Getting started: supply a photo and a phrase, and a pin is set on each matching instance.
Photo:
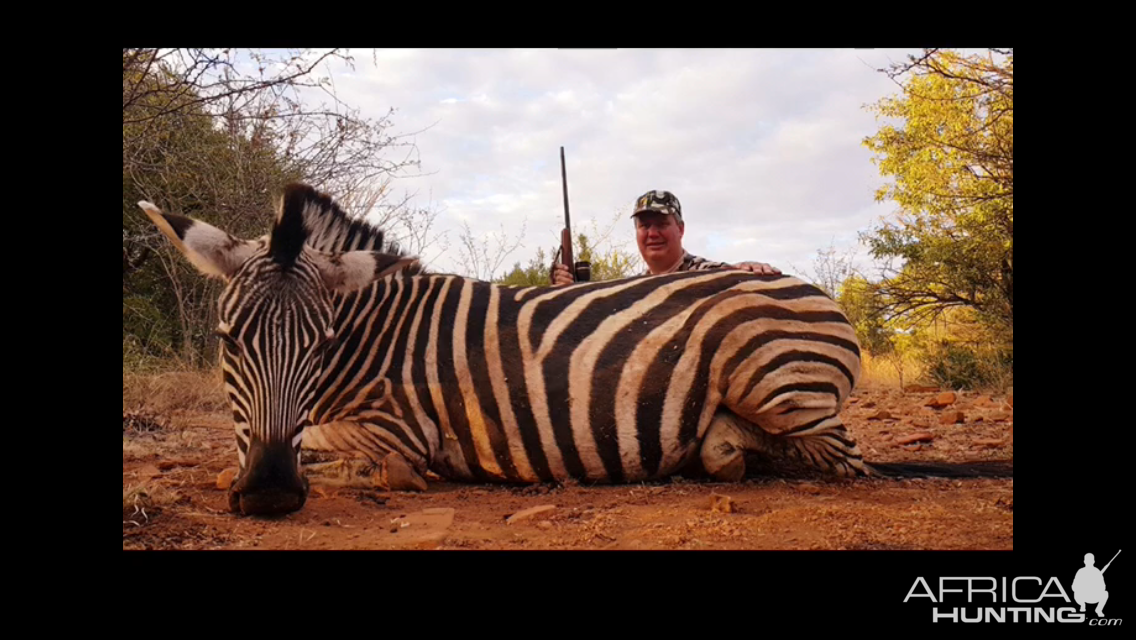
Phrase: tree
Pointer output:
(859, 300)
(215, 134)
(952, 159)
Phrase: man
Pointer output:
(659, 229)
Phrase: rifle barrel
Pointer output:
(564, 182)
(1110, 562)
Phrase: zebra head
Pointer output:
(276, 324)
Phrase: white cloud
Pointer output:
(763, 147)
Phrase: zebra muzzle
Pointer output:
(271, 483)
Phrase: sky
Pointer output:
(763, 147)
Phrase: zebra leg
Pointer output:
(376, 455)
(824, 445)
(800, 425)
(723, 449)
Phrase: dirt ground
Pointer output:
(171, 499)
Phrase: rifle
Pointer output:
(582, 271)
(566, 233)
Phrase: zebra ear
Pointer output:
(214, 252)
(353, 270)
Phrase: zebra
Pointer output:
(334, 340)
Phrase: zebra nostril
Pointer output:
(234, 500)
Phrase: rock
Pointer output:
(882, 414)
(721, 504)
(942, 400)
(989, 442)
(225, 478)
(528, 513)
(999, 416)
(915, 437)
(916, 388)
(544, 524)
(809, 488)
(868, 405)
(426, 529)
(953, 417)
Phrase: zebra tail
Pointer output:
(954, 470)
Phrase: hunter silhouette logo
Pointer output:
(1089, 585)
(1015, 600)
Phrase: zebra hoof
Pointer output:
(396, 474)
(724, 463)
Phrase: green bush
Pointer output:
(958, 366)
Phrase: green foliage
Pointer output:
(536, 274)
(608, 263)
(961, 366)
(857, 297)
(952, 161)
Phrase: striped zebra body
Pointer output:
(603, 382)
(331, 334)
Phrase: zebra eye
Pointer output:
(227, 339)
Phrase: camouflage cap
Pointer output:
(661, 201)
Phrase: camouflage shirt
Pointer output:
(693, 263)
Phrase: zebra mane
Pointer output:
(316, 219)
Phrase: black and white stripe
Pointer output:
(604, 382)
(325, 324)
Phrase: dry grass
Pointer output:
(172, 392)
(884, 372)
(142, 501)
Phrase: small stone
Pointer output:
(942, 400)
(920, 389)
(528, 513)
(989, 442)
(721, 504)
(915, 437)
(225, 479)
(882, 414)
(544, 524)
(166, 465)
(953, 417)
(809, 488)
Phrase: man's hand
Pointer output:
(561, 275)
(759, 268)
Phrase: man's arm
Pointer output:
(759, 268)
(695, 263)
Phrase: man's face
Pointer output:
(659, 236)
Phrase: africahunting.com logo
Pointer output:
(1022, 599)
